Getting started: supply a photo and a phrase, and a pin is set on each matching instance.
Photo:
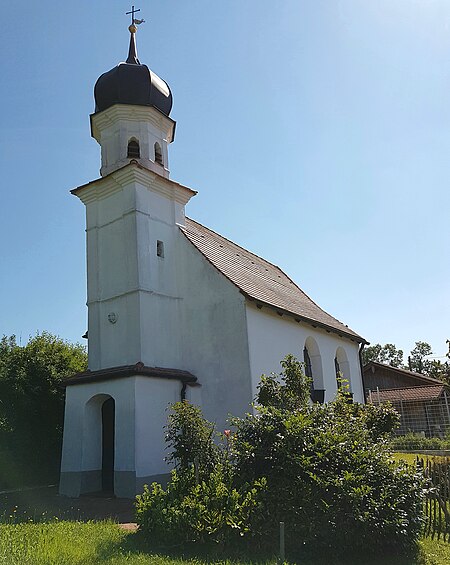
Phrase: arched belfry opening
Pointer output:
(108, 435)
(133, 151)
(158, 154)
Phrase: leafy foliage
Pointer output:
(330, 477)
(211, 511)
(289, 390)
(418, 362)
(416, 359)
(324, 470)
(386, 354)
(191, 439)
(412, 441)
(32, 401)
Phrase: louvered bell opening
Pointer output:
(134, 151)
(158, 154)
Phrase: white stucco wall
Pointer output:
(82, 426)
(271, 337)
(152, 398)
(214, 336)
(128, 279)
(141, 405)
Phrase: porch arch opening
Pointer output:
(99, 443)
(108, 434)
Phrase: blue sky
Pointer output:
(317, 133)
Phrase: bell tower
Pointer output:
(131, 119)
(133, 214)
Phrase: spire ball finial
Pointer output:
(132, 28)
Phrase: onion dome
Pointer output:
(132, 83)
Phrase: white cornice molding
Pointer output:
(101, 120)
(133, 173)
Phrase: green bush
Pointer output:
(412, 441)
(324, 470)
(335, 488)
(212, 511)
(191, 439)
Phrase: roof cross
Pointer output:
(133, 11)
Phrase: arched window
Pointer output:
(308, 369)
(339, 375)
(313, 369)
(342, 368)
(158, 154)
(133, 151)
(308, 366)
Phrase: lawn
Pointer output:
(412, 457)
(77, 543)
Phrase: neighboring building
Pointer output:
(376, 375)
(422, 402)
(174, 310)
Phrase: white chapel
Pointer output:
(175, 310)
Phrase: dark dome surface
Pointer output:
(132, 83)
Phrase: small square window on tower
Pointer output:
(160, 249)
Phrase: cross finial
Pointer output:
(133, 11)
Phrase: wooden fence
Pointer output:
(437, 502)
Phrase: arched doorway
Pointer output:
(108, 432)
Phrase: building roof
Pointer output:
(137, 370)
(417, 379)
(132, 83)
(260, 280)
(412, 394)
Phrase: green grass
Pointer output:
(434, 552)
(411, 457)
(69, 543)
(77, 543)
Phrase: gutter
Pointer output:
(360, 354)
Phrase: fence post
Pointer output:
(448, 409)
(282, 542)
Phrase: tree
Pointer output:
(387, 354)
(32, 400)
(419, 363)
(416, 359)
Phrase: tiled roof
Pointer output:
(260, 280)
(413, 394)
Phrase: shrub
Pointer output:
(412, 441)
(212, 511)
(324, 470)
(335, 488)
(190, 438)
